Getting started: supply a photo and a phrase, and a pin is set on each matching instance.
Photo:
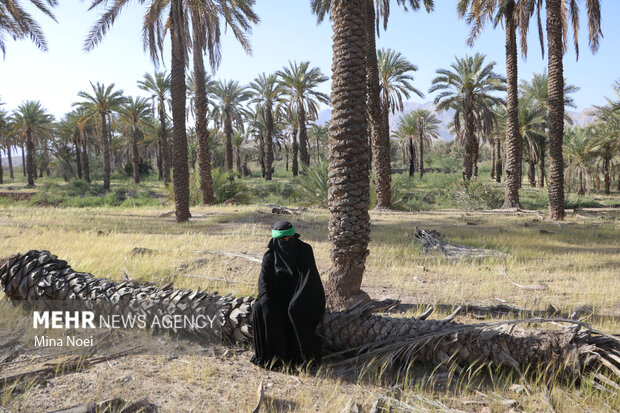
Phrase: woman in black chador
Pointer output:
(290, 303)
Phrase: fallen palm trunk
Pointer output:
(357, 332)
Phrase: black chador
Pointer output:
(290, 303)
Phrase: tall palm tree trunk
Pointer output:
(474, 157)
(40, 276)
(606, 176)
(531, 174)
(105, 147)
(78, 153)
(1, 168)
(470, 125)
(164, 151)
(513, 137)
(380, 140)
(10, 159)
(85, 164)
(582, 189)
(303, 134)
(30, 166)
(200, 110)
(261, 155)
(228, 145)
(493, 158)
(541, 178)
(295, 149)
(555, 116)
(159, 160)
(421, 151)
(349, 181)
(178, 93)
(318, 150)
(269, 143)
(238, 160)
(412, 156)
(135, 156)
(23, 159)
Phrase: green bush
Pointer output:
(311, 185)
(226, 189)
(474, 195)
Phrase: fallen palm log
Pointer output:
(357, 333)
(431, 242)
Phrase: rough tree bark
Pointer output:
(178, 94)
(39, 276)
(513, 137)
(30, 158)
(379, 138)
(349, 180)
(269, 144)
(200, 109)
(555, 115)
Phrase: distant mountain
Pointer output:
(582, 118)
(444, 116)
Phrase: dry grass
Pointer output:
(578, 260)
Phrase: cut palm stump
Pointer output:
(357, 334)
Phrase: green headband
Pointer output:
(284, 233)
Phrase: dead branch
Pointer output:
(431, 242)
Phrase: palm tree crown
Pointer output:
(17, 23)
(32, 122)
(395, 79)
(229, 110)
(299, 82)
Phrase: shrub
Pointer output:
(312, 184)
(474, 195)
(227, 189)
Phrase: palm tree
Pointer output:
(467, 88)
(427, 128)
(99, 105)
(536, 91)
(238, 16)
(293, 132)
(557, 28)
(514, 14)
(578, 154)
(199, 94)
(32, 122)
(159, 86)
(532, 125)
(406, 134)
(267, 94)
(237, 140)
(135, 115)
(320, 133)
(4, 141)
(395, 78)
(379, 133)
(69, 128)
(230, 95)
(17, 23)
(605, 144)
(349, 181)
(299, 82)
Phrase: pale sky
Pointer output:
(287, 31)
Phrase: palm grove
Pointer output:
(276, 114)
